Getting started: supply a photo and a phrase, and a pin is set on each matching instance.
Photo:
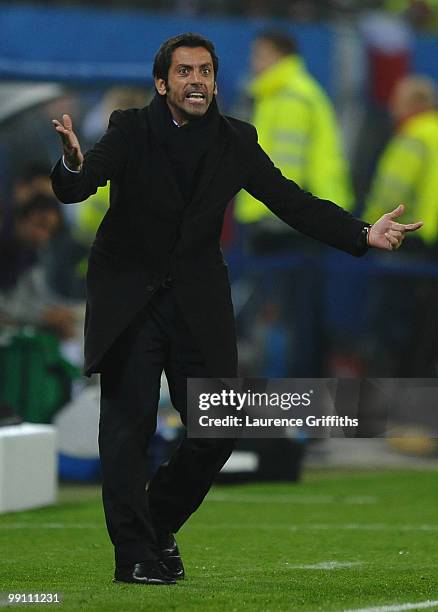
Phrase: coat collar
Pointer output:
(161, 169)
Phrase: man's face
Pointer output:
(401, 101)
(411, 96)
(264, 54)
(190, 84)
(37, 228)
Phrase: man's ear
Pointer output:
(160, 85)
(215, 89)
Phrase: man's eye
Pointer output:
(183, 71)
(206, 71)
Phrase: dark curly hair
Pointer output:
(163, 58)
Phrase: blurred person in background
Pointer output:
(296, 124)
(33, 179)
(158, 293)
(297, 127)
(63, 253)
(25, 298)
(407, 172)
(123, 97)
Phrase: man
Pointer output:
(158, 289)
(297, 128)
(63, 251)
(296, 125)
(24, 295)
(407, 172)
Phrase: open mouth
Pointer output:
(195, 96)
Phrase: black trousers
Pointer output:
(135, 511)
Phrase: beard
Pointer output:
(184, 110)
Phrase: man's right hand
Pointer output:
(72, 149)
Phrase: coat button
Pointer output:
(150, 287)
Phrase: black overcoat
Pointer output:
(149, 231)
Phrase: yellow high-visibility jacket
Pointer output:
(88, 219)
(90, 216)
(297, 128)
(407, 174)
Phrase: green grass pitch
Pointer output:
(339, 540)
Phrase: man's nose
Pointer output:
(197, 77)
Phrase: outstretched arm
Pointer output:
(320, 219)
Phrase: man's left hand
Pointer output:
(387, 234)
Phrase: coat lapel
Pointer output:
(161, 170)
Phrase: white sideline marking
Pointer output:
(327, 565)
(291, 499)
(421, 605)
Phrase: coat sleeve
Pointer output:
(103, 162)
(315, 217)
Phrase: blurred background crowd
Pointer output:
(419, 12)
(344, 96)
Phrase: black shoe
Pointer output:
(170, 556)
(146, 572)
